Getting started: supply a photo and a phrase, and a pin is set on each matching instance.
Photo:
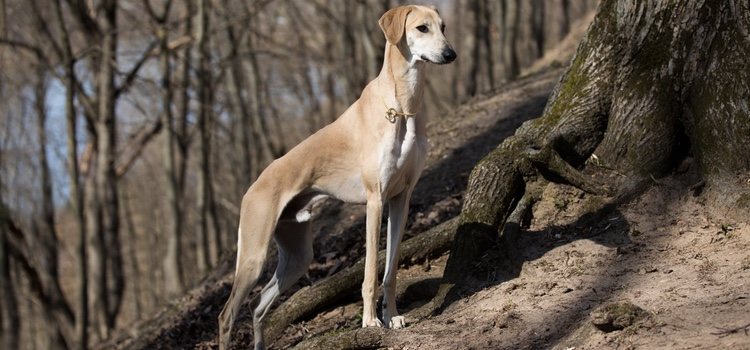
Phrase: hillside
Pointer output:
(679, 259)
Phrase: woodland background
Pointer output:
(129, 130)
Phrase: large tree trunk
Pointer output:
(652, 83)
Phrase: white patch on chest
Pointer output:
(401, 156)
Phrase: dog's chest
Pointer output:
(403, 152)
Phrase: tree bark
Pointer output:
(649, 83)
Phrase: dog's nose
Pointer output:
(449, 55)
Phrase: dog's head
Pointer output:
(423, 31)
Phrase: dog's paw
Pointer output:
(397, 322)
(373, 322)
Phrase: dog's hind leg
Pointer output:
(258, 216)
(294, 242)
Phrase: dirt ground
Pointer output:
(667, 252)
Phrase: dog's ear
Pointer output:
(393, 23)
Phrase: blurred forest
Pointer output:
(130, 130)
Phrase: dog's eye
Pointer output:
(422, 28)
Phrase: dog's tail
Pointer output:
(261, 208)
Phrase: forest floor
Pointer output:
(683, 262)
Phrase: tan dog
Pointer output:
(374, 153)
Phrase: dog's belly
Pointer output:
(346, 187)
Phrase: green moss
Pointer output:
(572, 85)
(575, 85)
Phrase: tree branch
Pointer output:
(136, 146)
(133, 73)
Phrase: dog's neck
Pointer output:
(404, 73)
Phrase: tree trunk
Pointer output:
(538, 8)
(172, 266)
(76, 196)
(9, 315)
(106, 177)
(652, 83)
(208, 217)
(264, 146)
(472, 85)
(182, 109)
(235, 87)
(512, 13)
(131, 240)
(46, 236)
(458, 81)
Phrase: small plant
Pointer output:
(706, 271)
(561, 203)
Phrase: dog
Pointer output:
(372, 154)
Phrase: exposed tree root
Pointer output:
(311, 299)
(360, 338)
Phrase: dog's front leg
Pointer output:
(370, 284)
(398, 208)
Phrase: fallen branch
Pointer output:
(312, 299)
(360, 338)
(723, 332)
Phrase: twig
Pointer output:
(723, 332)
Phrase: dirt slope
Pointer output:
(684, 263)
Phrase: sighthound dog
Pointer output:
(373, 153)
